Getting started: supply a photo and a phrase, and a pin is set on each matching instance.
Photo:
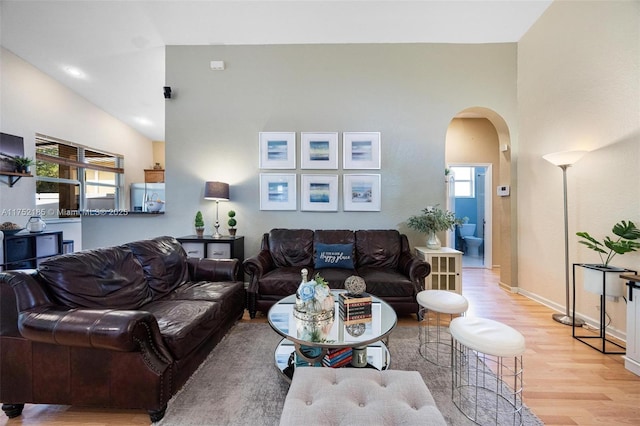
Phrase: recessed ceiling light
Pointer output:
(75, 72)
(144, 121)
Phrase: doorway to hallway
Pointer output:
(470, 198)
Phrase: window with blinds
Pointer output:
(71, 178)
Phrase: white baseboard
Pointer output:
(632, 365)
(593, 323)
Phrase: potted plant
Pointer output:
(199, 224)
(232, 223)
(22, 164)
(598, 274)
(433, 219)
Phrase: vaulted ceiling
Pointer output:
(112, 52)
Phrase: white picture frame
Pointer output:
(361, 192)
(277, 150)
(278, 191)
(319, 150)
(361, 150)
(319, 193)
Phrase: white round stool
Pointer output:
(435, 342)
(487, 370)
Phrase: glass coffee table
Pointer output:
(298, 348)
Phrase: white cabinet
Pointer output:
(632, 357)
(446, 268)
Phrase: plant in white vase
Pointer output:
(627, 233)
(433, 219)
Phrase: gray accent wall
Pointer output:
(408, 92)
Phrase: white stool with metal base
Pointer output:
(435, 342)
(487, 370)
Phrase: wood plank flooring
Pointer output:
(565, 381)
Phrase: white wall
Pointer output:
(32, 102)
(578, 88)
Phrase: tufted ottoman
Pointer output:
(357, 396)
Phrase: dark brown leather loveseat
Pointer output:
(382, 258)
(119, 327)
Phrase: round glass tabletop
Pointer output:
(334, 334)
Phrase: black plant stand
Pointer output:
(602, 339)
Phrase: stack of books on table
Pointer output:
(355, 309)
(337, 357)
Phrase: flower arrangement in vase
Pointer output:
(314, 309)
(313, 298)
(433, 219)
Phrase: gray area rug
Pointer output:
(239, 383)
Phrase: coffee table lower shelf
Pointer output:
(378, 357)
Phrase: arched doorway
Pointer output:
(480, 136)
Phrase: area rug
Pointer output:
(239, 383)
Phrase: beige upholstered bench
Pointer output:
(359, 396)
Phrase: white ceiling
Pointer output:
(119, 45)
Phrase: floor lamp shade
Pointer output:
(564, 158)
(218, 191)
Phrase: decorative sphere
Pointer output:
(355, 285)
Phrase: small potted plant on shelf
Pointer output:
(595, 275)
(232, 223)
(433, 219)
(199, 224)
(23, 164)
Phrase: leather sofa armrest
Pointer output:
(213, 269)
(256, 266)
(414, 268)
(118, 330)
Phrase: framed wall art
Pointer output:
(361, 150)
(319, 150)
(361, 193)
(277, 150)
(278, 191)
(319, 193)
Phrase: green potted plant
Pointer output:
(433, 219)
(627, 233)
(232, 223)
(199, 224)
(22, 164)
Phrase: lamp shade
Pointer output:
(564, 158)
(218, 191)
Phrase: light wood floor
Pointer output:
(565, 381)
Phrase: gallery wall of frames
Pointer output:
(319, 188)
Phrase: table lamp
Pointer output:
(217, 191)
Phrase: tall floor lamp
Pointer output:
(217, 191)
(564, 160)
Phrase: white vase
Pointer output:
(596, 276)
(433, 242)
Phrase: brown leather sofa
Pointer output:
(382, 258)
(118, 327)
